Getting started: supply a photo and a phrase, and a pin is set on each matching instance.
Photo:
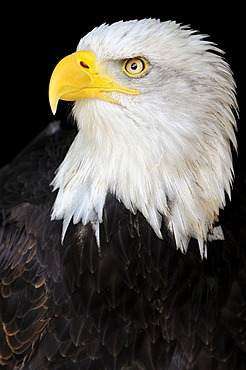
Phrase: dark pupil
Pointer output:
(134, 66)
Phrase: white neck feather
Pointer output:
(161, 166)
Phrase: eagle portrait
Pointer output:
(122, 234)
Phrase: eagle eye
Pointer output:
(135, 66)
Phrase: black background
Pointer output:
(38, 36)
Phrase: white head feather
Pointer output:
(165, 152)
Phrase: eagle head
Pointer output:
(155, 107)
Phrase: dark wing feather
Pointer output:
(30, 268)
(138, 304)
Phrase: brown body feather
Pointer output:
(141, 304)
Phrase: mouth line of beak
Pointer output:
(71, 80)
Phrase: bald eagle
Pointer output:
(122, 239)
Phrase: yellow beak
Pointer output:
(79, 76)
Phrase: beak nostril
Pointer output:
(84, 65)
